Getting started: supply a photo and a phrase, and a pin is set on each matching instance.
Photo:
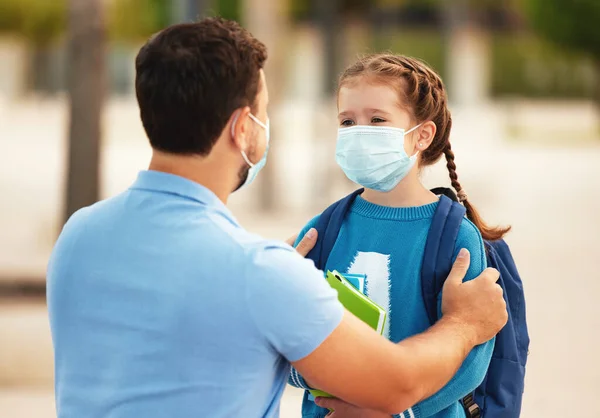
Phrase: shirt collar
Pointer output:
(158, 181)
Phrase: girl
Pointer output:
(393, 121)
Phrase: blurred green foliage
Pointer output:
(135, 20)
(569, 23)
(43, 21)
(573, 25)
(229, 9)
(427, 45)
(521, 64)
(524, 65)
(39, 21)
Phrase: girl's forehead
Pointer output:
(365, 94)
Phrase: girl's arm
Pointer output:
(473, 370)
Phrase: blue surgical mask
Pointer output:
(254, 167)
(374, 156)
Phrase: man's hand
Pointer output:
(306, 244)
(477, 305)
(343, 409)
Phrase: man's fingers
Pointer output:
(460, 267)
(491, 274)
(307, 243)
(291, 240)
(329, 403)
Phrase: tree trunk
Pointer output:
(597, 88)
(329, 12)
(267, 21)
(86, 86)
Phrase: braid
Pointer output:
(487, 232)
(451, 166)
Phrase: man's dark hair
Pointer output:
(191, 77)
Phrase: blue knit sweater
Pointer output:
(387, 244)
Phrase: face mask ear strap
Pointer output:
(413, 128)
(265, 126)
(409, 131)
(235, 119)
(245, 157)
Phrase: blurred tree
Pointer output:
(86, 85)
(9, 16)
(44, 21)
(267, 20)
(39, 21)
(572, 24)
(136, 20)
(229, 9)
(190, 10)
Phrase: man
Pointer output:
(162, 305)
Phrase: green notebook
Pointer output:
(358, 304)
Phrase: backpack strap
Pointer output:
(328, 227)
(437, 263)
(472, 410)
(449, 193)
(439, 252)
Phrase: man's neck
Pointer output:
(205, 171)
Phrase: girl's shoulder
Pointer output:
(469, 231)
(470, 238)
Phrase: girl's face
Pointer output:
(366, 103)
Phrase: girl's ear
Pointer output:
(425, 134)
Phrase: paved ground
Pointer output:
(549, 195)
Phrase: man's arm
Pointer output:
(362, 368)
(303, 247)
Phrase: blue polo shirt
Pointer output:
(162, 305)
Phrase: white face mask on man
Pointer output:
(254, 167)
(374, 156)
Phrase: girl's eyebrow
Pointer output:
(374, 110)
(370, 110)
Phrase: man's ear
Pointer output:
(425, 135)
(240, 127)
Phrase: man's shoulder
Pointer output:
(102, 207)
(77, 234)
(254, 245)
(82, 217)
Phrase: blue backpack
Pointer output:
(501, 393)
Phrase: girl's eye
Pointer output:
(377, 120)
(347, 122)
